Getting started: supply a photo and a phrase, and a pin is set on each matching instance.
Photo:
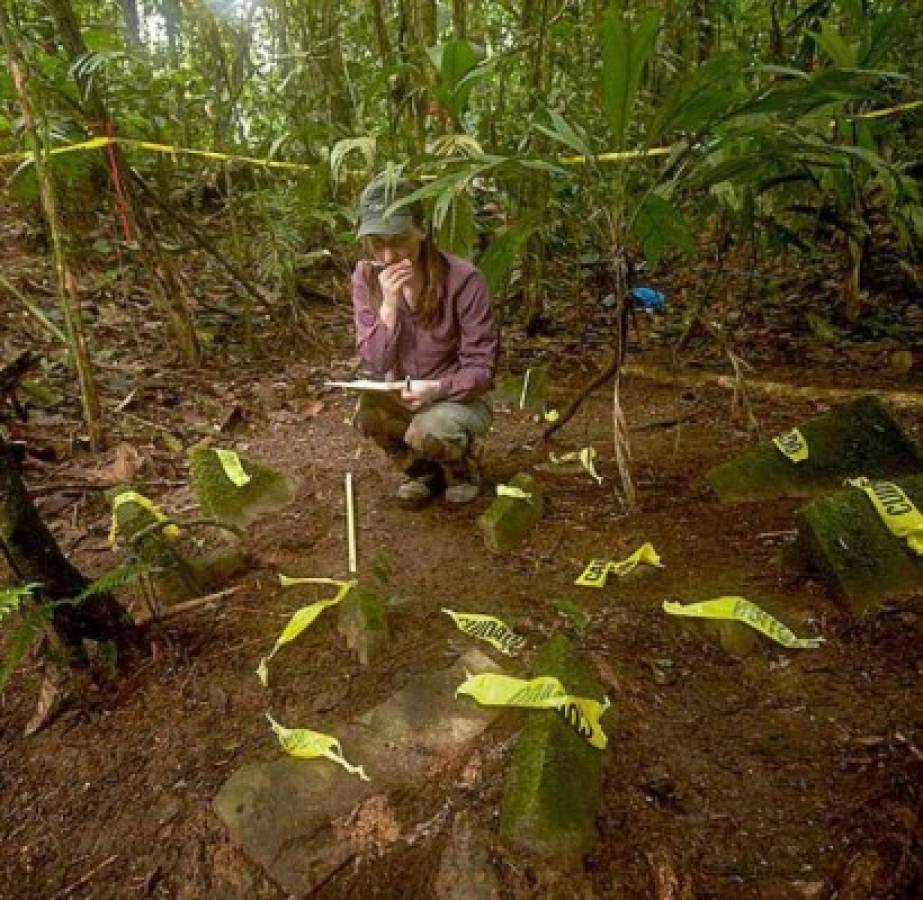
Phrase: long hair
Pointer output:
(435, 273)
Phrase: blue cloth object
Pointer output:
(648, 297)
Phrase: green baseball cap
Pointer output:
(376, 198)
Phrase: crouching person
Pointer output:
(423, 314)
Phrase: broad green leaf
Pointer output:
(566, 134)
(658, 225)
(887, 28)
(830, 41)
(457, 234)
(501, 256)
(700, 97)
(454, 59)
(624, 53)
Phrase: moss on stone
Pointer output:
(553, 790)
(176, 578)
(221, 499)
(507, 521)
(363, 621)
(843, 538)
(859, 438)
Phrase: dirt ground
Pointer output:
(783, 774)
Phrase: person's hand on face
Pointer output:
(395, 279)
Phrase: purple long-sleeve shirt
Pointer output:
(460, 350)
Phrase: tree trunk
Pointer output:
(459, 19)
(34, 556)
(132, 25)
(377, 9)
(425, 32)
(535, 195)
(339, 100)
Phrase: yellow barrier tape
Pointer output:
(616, 156)
(896, 510)
(597, 571)
(97, 143)
(509, 490)
(586, 457)
(792, 445)
(302, 618)
(170, 531)
(581, 713)
(487, 628)
(233, 467)
(306, 744)
(742, 610)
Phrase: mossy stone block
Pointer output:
(553, 790)
(363, 621)
(860, 438)
(220, 498)
(843, 538)
(219, 566)
(507, 521)
(175, 579)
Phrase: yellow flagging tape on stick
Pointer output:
(896, 510)
(598, 570)
(302, 618)
(586, 457)
(742, 610)
(487, 628)
(233, 467)
(792, 445)
(306, 744)
(170, 531)
(581, 713)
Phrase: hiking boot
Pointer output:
(420, 483)
(464, 481)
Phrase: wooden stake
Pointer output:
(351, 546)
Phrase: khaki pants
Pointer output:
(443, 432)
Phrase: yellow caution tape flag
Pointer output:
(586, 457)
(581, 713)
(302, 618)
(509, 490)
(792, 445)
(306, 744)
(742, 610)
(597, 571)
(487, 628)
(233, 467)
(170, 531)
(896, 510)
